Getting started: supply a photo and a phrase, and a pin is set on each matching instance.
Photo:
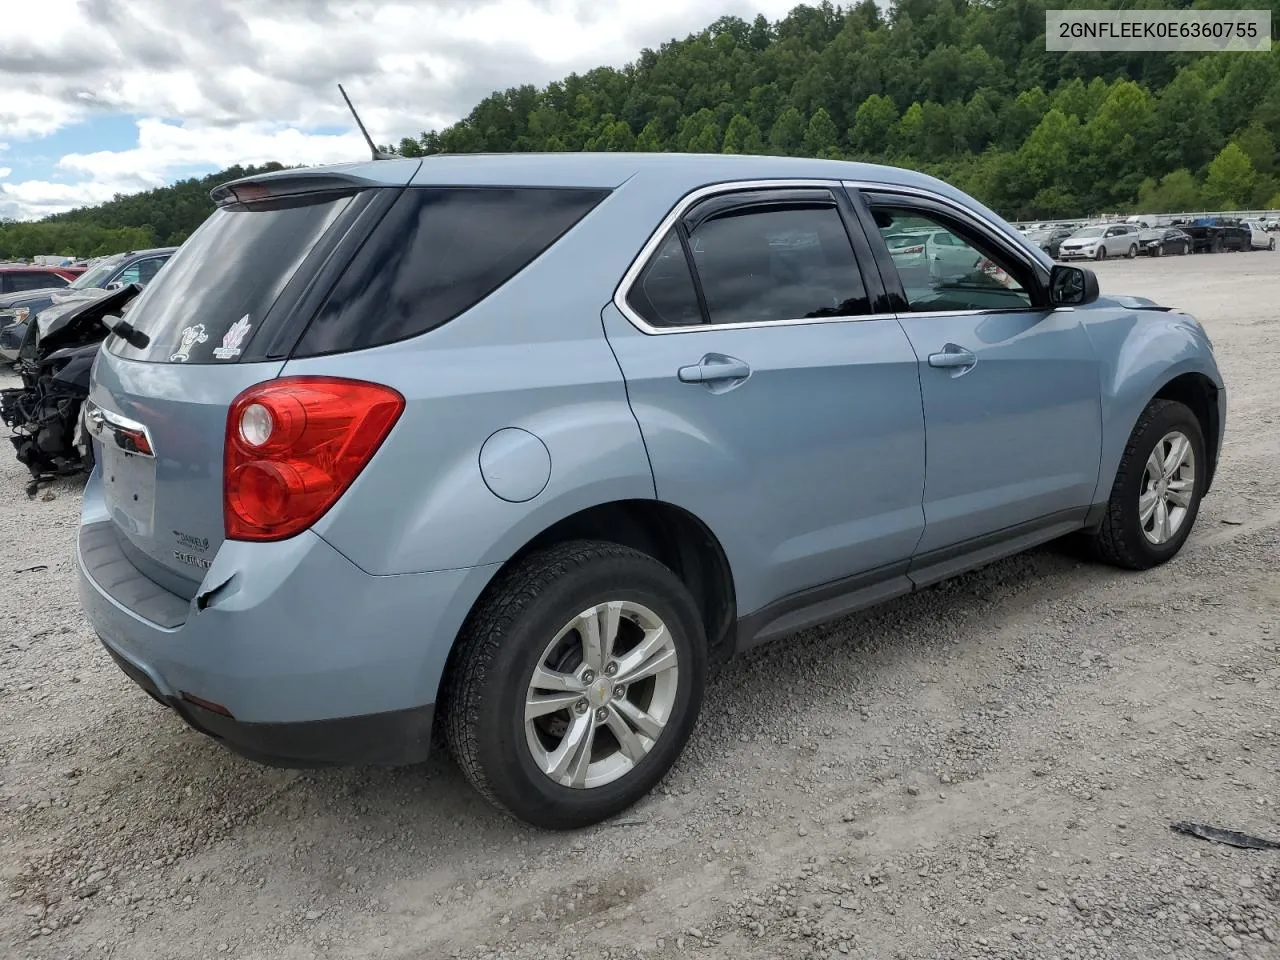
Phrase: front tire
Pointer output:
(1133, 251)
(1272, 244)
(1101, 254)
(576, 683)
(1155, 497)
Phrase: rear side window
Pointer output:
(438, 252)
(664, 294)
(215, 291)
(18, 282)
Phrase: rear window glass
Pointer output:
(213, 294)
(438, 252)
(20, 282)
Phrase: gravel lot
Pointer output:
(988, 769)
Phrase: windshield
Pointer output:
(1090, 232)
(215, 291)
(96, 275)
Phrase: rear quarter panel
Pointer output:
(1139, 352)
(532, 356)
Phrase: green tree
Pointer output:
(1258, 146)
(872, 124)
(1229, 183)
(707, 140)
(1176, 192)
(978, 125)
(787, 135)
(907, 135)
(650, 139)
(821, 136)
(742, 136)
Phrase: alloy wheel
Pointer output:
(1168, 483)
(601, 694)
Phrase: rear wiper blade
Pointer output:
(126, 331)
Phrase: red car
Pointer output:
(20, 277)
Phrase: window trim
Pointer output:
(923, 200)
(676, 216)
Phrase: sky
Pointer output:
(99, 97)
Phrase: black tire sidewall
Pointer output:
(1172, 417)
(503, 751)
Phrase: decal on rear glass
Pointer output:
(233, 338)
(190, 337)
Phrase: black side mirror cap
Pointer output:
(1072, 286)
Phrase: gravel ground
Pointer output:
(987, 769)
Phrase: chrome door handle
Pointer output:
(714, 368)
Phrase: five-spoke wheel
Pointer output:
(576, 683)
(1156, 493)
(601, 694)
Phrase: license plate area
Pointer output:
(129, 485)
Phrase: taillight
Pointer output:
(293, 447)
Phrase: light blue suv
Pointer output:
(512, 447)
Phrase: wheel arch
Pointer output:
(1199, 393)
(669, 534)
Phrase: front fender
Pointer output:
(1141, 352)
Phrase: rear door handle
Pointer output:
(953, 357)
(715, 368)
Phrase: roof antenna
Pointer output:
(377, 154)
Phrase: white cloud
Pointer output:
(165, 146)
(239, 81)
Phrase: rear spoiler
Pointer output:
(248, 191)
(299, 182)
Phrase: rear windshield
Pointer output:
(438, 252)
(215, 291)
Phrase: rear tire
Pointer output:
(565, 767)
(1155, 497)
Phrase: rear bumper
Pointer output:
(316, 661)
(394, 738)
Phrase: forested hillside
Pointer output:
(162, 217)
(962, 89)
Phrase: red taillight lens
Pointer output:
(293, 447)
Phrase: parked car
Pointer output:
(109, 273)
(1258, 237)
(1217, 234)
(44, 413)
(21, 278)
(1163, 241)
(1099, 242)
(1050, 240)
(514, 446)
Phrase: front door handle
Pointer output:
(714, 368)
(953, 357)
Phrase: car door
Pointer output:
(1010, 385)
(779, 401)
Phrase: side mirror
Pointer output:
(1072, 286)
(115, 285)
